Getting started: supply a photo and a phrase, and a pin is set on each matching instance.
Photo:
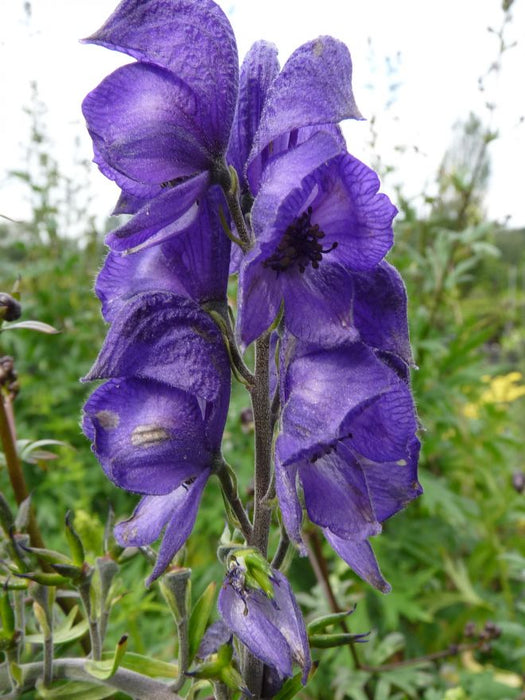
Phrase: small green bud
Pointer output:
(176, 589)
(10, 308)
(7, 614)
(75, 544)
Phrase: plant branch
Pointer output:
(134, 684)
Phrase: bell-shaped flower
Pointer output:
(318, 217)
(269, 623)
(156, 425)
(161, 126)
(349, 441)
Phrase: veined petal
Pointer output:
(148, 437)
(193, 264)
(248, 618)
(318, 305)
(359, 556)
(285, 485)
(260, 298)
(322, 388)
(147, 124)
(191, 38)
(336, 495)
(281, 198)
(169, 339)
(380, 310)
(171, 213)
(314, 87)
(258, 71)
(392, 485)
(177, 510)
(383, 430)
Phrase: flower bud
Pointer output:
(10, 308)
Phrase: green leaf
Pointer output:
(199, 618)
(322, 622)
(294, 685)
(75, 690)
(146, 665)
(67, 632)
(104, 669)
(39, 326)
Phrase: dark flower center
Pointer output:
(300, 245)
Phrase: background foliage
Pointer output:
(455, 558)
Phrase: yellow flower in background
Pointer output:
(503, 388)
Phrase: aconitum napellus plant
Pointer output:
(241, 175)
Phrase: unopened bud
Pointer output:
(176, 589)
(10, 308)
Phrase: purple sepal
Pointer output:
(148, 437)
(176, 511)
(272, 629)
(191, 38)
(313, 88)
(359, 556)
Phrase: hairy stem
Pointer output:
(262, 418)
(134, 684)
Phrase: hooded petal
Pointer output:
(359, 556)
(148, 437)
(314, 87)
(177, 510)
(191, 38)
(147, 124)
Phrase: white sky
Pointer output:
(440, 49)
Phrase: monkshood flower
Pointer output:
(267, 621)
(161, 126)
(156, 425)
(318, 217)
(349, 439)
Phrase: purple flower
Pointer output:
(156, 425)
(161, 126)
(318, 217)
(349, 439)
(271, 627)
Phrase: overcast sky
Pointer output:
(434, 51)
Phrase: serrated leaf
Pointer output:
(199, 618)
(39, 326)
(104, 669)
